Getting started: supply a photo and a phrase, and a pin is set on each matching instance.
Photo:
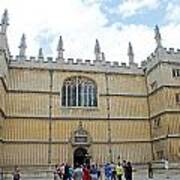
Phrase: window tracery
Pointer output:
(79, 91)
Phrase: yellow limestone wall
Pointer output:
(26, 129)
(163, 107)
(29, 79)
(128, 106)
(25, 154)
(163, 99)
(173, 143)
(128, 84)
(174, 149)
(169, 124)
(27, 104)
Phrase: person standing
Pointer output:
(70, 172)
(113, 167)
(77, 174)
(66, 172)
(98, 171)
(166, 166)
(1, 174)
(124, 164)
(119, 171)
(56, 173)
(128, 171)
(107, 171)
(150, 170)
(16, 174)
(62, 170)
(86, 173)
(94, 172)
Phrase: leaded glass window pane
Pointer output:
(64, 95)
(79, 91)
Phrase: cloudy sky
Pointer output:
(80, 22)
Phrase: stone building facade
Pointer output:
(66, 110)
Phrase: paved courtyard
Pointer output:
(140, 174)
(158, 175)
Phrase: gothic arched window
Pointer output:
(79, 91)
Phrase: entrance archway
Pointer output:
(80, 156)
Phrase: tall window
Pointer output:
(79, 91)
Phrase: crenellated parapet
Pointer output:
(163, 55)
(71, 64)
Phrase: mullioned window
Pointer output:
(79, 92)
(176, 72)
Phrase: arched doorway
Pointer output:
(80, 156)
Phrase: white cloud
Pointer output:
(80, 25)
(131, 7)
(173, 13)
(71, 19)
(170, 35)
(91, 2)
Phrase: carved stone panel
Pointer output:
(80, 137)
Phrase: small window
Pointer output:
(176, 72)
(178, 98)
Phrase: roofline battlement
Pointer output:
(173, 51)
(74, 64)
(165, 55)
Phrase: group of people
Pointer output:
(79, 172)
(94, 172)
(113, 171)
(110, 171)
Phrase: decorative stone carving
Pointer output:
(80, 137)
(40, 54)
(60, 49)
(4, 21)
(157, 37)
(130, 54)
(103, 56)
(97, 50)
(22, 47)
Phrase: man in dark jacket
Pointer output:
(16, 174)
(128, 171)
(150, 170)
